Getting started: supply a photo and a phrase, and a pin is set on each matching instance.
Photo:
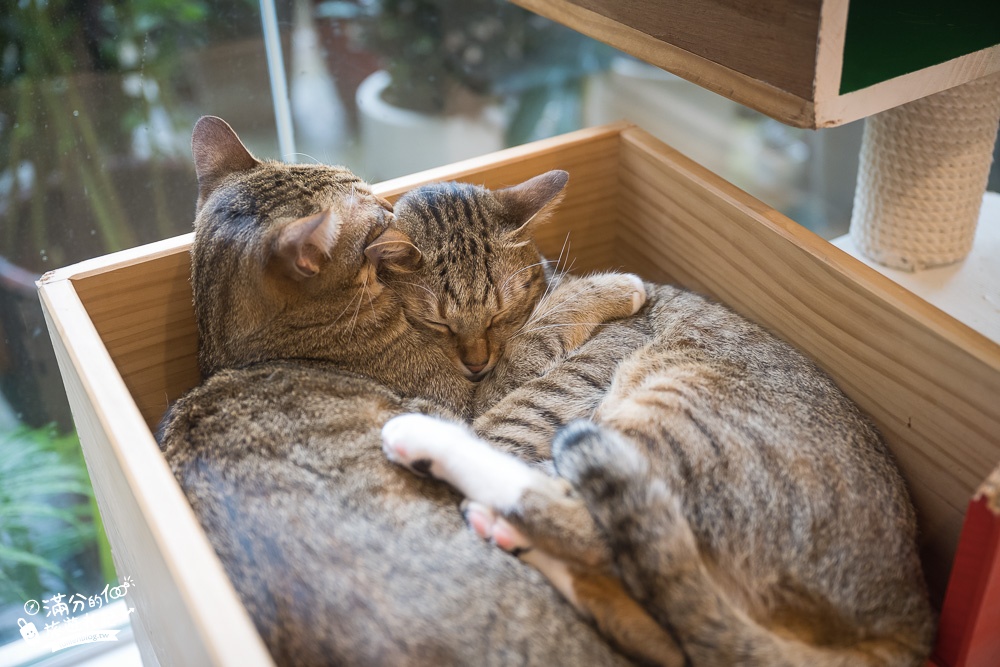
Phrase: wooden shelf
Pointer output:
(808, 63)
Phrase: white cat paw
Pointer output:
(420, 443)
(638, 292)
(451, 453)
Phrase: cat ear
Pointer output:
(531, 201)
(217, 152)
(393, 250)
(302, 245)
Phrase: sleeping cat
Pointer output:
(305, 353)
(723, 481)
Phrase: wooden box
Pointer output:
(124, 333)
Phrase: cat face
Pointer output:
(480, 274)
(280, 250)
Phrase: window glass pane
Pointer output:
(97, 99)
(394, 86)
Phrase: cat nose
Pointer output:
(474, 367)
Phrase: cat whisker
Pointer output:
(557, 278)
(371, 302)
(549, 309)
(337, 319)
(506, 282)
(361, 297)
(315, 161)
(433, 297)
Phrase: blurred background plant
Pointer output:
(435, 48)
(51, 540)
(86, 86)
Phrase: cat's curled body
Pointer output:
(338, 558)
(723, 482)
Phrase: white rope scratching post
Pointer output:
(922, 176)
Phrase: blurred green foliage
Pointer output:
(48, 517)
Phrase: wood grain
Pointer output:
(773, 42)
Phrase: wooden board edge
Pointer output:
(763, 97)
(870, 280)
(122, 258)
(389, 188)
(202, 583)
(457, 170)
(830, 48)
(834, 109)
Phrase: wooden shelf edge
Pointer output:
(457, 170)
(774, 102)
(841, 109)
(122, 258)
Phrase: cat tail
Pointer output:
(659, 561)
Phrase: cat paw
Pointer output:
(595, 460)
(488, 525)
(447, 451)
(419, 442)
(638, 291)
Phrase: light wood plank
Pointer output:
(145, 317)
(181, 590)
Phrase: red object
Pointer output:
(969, 628)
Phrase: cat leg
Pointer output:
(578, 305)
(525, 421)
(660, 564)
(564, 319)
(597, 596)
(452, 453)
(536, 518)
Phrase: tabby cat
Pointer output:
(305, 354)
(723, 482)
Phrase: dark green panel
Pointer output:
(887, 38)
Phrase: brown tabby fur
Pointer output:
(724, 483)
(305, 354)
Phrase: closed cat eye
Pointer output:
(443, 327)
